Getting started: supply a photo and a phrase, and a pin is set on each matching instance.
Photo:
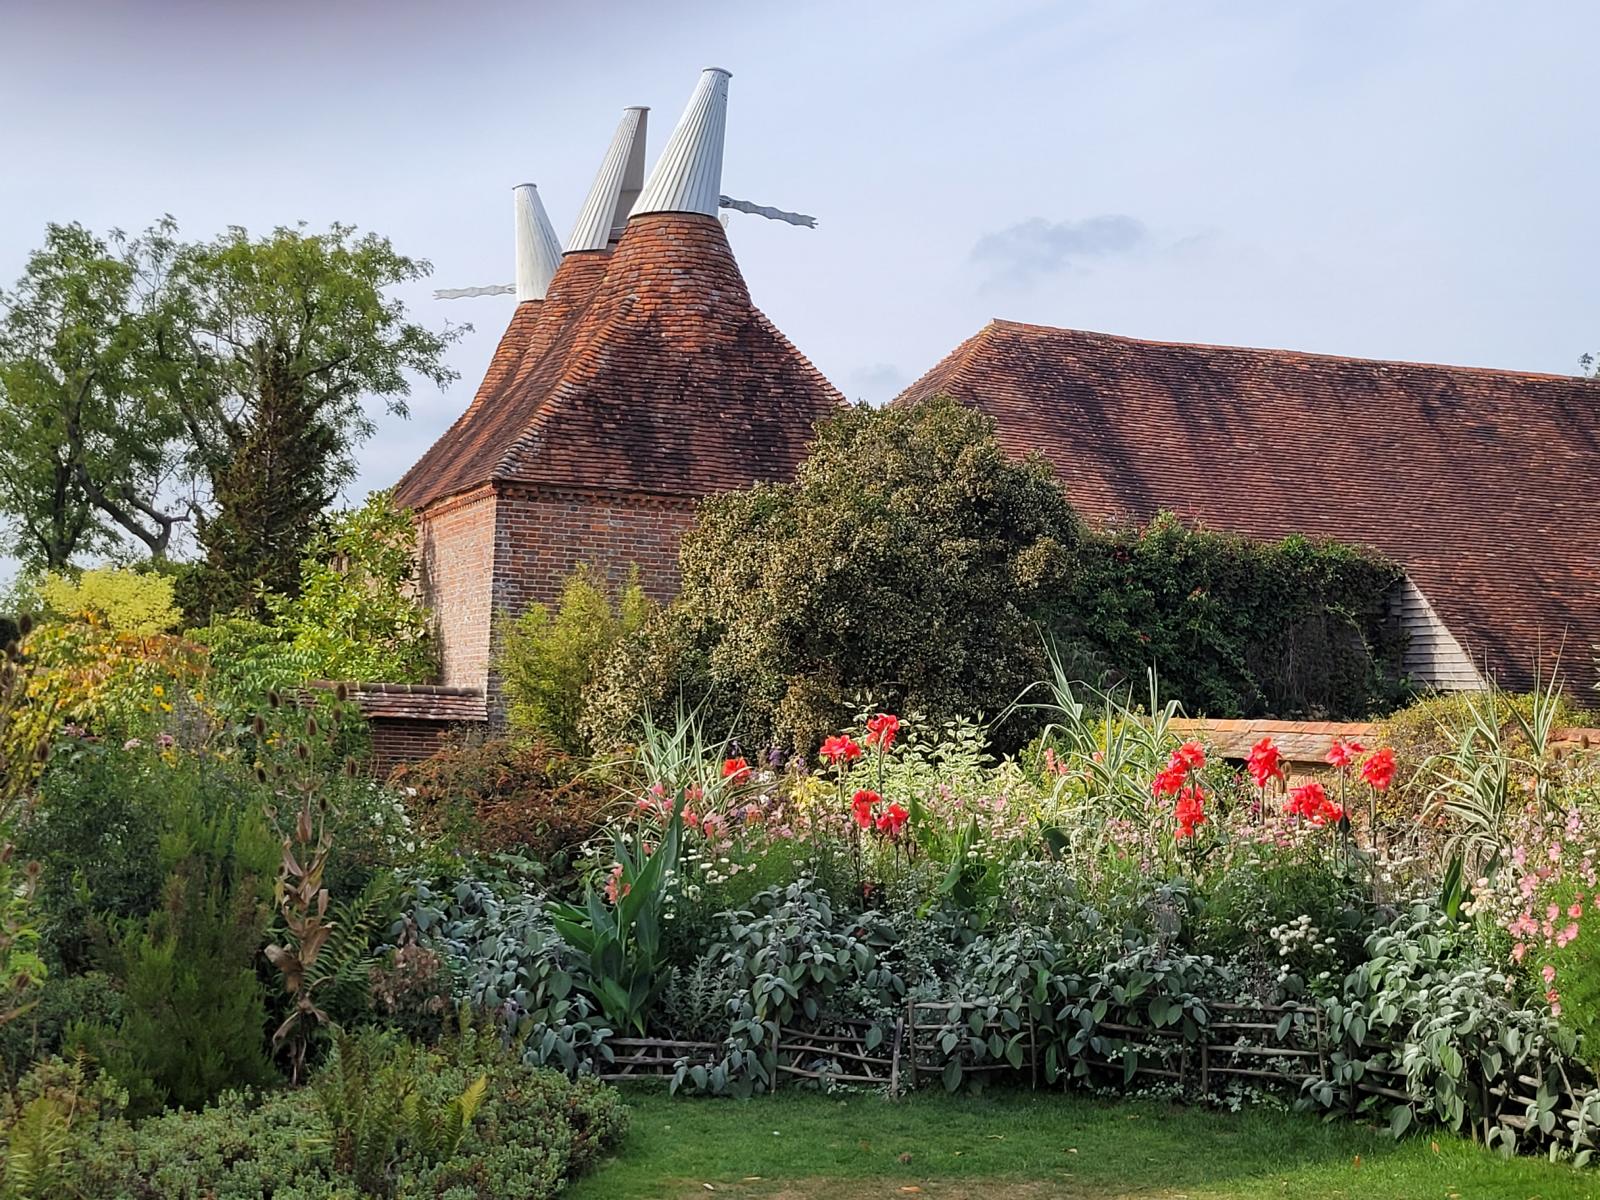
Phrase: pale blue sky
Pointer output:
(1389, 179)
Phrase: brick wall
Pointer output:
(541, 537)
(456, 540)
(397, 740)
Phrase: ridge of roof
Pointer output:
(1279, 352)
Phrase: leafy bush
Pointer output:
(549, 658)
(503, 956)
(356, 615)
(385, 1120)
(504, 796)
(908, 554)
(124, 601)
(1235, 627)
(59, 1001)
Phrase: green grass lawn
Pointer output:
(1031, 1145)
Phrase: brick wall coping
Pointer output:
(1308, 741)
(415, 701)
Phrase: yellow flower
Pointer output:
(158, 691)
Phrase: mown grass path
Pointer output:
(1033, 1145)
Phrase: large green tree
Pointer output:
(269, 348)
(84, 437)
(148, 382)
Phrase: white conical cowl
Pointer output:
(688, 176)
(538, 248)
(616, 186)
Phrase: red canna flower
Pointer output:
(1344, 754)
(840, 749)
(1378, 771)
(736, 769)
(1190, 811)
(1191, 756)
(1310, 800)
(1169, 782)
(861, 806)
(1265, 763)
(882, 730)
(892, 821)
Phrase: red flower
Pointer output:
(1378, 771)
(1265, 763)
(736, 769)
(1343, 754)
(1191, 756)
(881, 730)
(893, 820)
(861, 806)
(1311, 801)
(1169, 782)
(840, 749)
(1190, 811)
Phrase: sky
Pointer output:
(1406, 180)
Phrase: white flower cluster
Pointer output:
(1300, 938)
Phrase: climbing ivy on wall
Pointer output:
(1234, 627)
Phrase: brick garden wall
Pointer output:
(456, 541)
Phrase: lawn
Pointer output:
(1030, 1145)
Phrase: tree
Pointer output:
(906, 559)
(357, 615)
(268, 347)
(148, 382)
(83, 438)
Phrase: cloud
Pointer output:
(1025, 252)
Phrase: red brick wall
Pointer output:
(397, 740)
(542, 536)
(456, 539)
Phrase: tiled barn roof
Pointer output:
(1484, 484)
(646, 370)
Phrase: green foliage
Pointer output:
(385, 1120)
(272, 344)
(356, 615)
(193, 1014)
(136, 602)
(504, 957)
(908, 555)
(549, 658)
(624, 967)
(1234, 627)
(60, 1001)
(504, 796)
(83, 441)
